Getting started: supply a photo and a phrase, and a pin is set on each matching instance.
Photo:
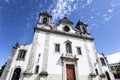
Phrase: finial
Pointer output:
(17, 44)
(103, 54)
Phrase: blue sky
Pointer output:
(19, 17)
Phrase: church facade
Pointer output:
(57, 52)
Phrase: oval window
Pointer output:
(66, 28)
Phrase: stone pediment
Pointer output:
(65, 20)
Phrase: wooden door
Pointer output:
(70, 72)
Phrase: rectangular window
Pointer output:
(21, 55)
(102, 61)
(57, 47)
(79, 50)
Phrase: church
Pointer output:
(57, 52)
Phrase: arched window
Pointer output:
(84, 30)
(96, 71)
(68, 48)
(36, 69)
(44, 20)
(108, 76)
(16, 74)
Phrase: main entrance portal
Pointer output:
(70, 72)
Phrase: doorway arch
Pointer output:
(108, 76)
(16, 74)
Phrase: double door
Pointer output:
(70, 72)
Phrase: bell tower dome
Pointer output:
(44, 18)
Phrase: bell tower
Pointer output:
(44, 18)
(82, 27)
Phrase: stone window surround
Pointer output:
(70, 47)
(36, 69)
(12, 71)
(80, 50)
(19, 54)
(103, 62)
(55, 47)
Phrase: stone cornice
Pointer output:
(63, 33)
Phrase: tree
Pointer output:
(118, 71)
(118, 68)
(2, 68)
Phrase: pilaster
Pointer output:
(31, 61)
(9, 63)
(44, 73)
(88, 58)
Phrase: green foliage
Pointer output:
(118, 68)
(2, 68)
(1, 72)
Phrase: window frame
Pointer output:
(79, 51)
(68, 47)
(57, 47)
(96, 70)
(45, 20)
(103, 61)
(16, 74)
(37, 69)
(21, 54)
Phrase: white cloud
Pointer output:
(26, 37)
(114, 58)
(27, 28)
(108, 18)
(62, 8)
(89, 2)
(91, 17)
(109, 10)
(104, 15)
(7, 1)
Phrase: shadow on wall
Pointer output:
(59, 62)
